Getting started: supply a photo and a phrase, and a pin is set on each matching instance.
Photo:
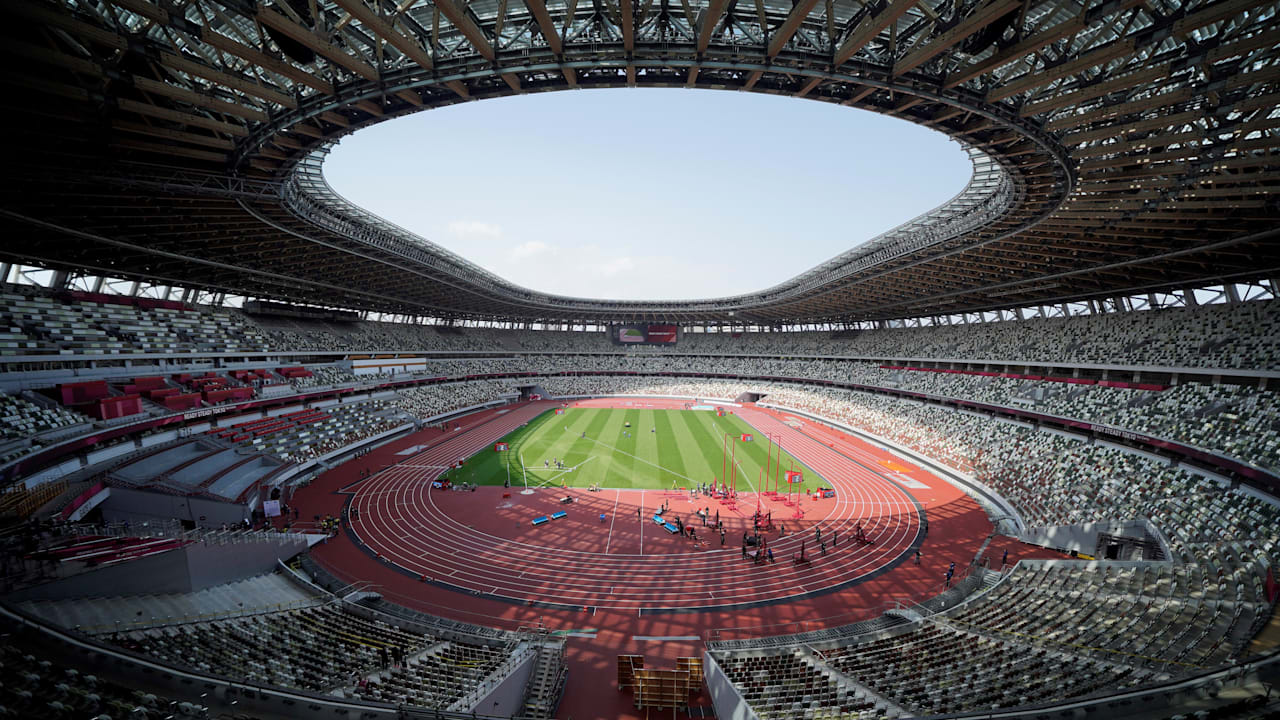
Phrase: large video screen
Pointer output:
(664, 334)
(645, 334)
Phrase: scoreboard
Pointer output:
(644, 334)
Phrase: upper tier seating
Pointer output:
(431, 400)
(86, 327)
(21, 418)
(1236, 335)
(1240, 335)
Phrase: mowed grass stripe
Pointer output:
(664, 439)
(646, 465)
(685, 449)
(625, 442)
(749, 455)
(693, 443)
(614, 472)
(523, 444)
(737, 462)
(646, 444)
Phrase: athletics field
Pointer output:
(660, 449)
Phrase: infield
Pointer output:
(640, 448)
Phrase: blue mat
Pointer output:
(539, 520)
(557, 516)
(657, 520)
(671, 528)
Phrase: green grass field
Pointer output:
(664, 447)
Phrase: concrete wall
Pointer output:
(725, 697)
(162, 573)
(1083, 538)
(141, 506)
(209, 565)
(507, 697)
(188, 569)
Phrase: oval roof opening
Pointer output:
(647, 193)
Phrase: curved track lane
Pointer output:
(481, 543)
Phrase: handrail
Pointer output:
(173, 620)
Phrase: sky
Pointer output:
(658, 194)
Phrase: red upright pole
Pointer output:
(733, 465)
(724, 457)
(788, 491)
(777, 473)
(768, 458)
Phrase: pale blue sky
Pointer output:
(647, 193)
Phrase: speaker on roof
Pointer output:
(990, 34)
(294, 49)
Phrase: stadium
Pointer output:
(268, 455)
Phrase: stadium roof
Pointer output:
(1119, 146)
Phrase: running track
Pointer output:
(482, 544)
(957, 527)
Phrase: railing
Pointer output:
(172, 620)
(416, 609)
(869, 619)
(172, 529)
(514, 660)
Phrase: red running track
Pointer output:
(957, 528)
(484, 544)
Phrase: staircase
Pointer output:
(546, 683)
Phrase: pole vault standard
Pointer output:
(789, 487)
(525, 470)
(733, 465)
(724, 460)
(768, 460)
(777, 473)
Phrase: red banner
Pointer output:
(794, 476)
(499, 447)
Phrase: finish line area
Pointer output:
(575, 548)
